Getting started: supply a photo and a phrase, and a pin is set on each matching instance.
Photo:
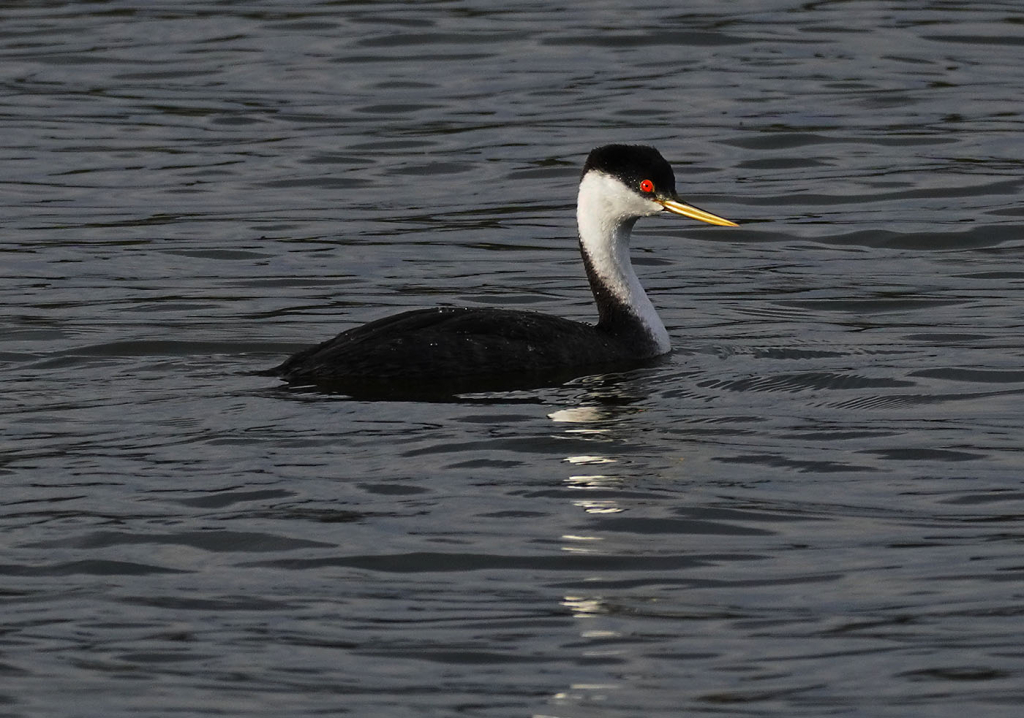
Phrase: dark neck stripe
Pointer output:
(616, 318)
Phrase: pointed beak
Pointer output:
(677, 207)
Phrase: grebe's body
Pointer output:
(620, 184)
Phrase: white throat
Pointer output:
(606, 210)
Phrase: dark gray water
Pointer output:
(816, 507)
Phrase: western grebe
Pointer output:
(445, 345)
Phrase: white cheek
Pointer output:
(644, 207)
(608, 202)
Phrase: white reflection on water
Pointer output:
(589, 459)
(584, 606)
(604, 506)
(580, 543)
(580, 415)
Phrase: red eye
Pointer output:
(646, 186)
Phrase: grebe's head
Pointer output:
(633, 181)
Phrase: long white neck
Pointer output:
(605, 212)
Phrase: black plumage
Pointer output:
(449, 344)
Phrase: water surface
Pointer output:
(813, 508)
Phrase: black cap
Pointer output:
(632, 164)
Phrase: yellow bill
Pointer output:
(693, 213)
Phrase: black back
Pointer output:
(448, 344)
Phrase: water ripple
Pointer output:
(817, 492)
